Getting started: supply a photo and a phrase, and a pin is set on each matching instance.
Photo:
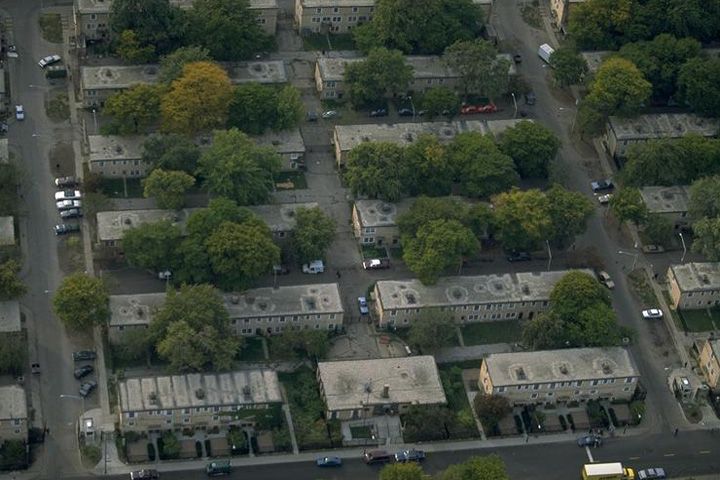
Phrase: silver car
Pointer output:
(49, 60)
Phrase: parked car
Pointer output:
(410, 456)
(280, 269)
(218, 468)
(65, 228)
(530, 98)
(312, 116)
(49, 60)
(35, 368)
(83, 371)
(144, 475)
(651, 474)
(19, 112)
(519, 257)
(652, 313)
(589, 441)
(71, 213)
(330, 114)
(68, 195)
(605, 279)
(87, 388)
(84, 355)
(65, 204)
(328, 462)
(377, 456)
(65, 182)
(468, 109)
(363, 305)
(517, 58)
(652, 249)
(376, 263)
(314, 267)
(380, 112)
(602, 185)
(406, 112)
(604, 199)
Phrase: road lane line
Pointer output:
(634, 458)
(590, 457)
(669, 455)
(704, 452)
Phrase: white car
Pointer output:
(68, 195)
(330, 114)
(652, 313)
(19, 112)
(66, 204)
(651, 474)
(603, 199)
(605, 279)
(49, 60)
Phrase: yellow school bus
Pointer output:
(607, 471)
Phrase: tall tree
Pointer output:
(603, 24)
(402, 471)
(129, 49)
(253, 108)
(699, 85)
(236, 168)
(479, 166)
(171, 152)
(569, 67)
(490, 409)
(156, 23)
(313, 234)
(439, 100)
(228, 29)
(381, 73)
(167, 187)
(198, 100)
(706, 238)
(522, 219)
(173, 64)
(531, 146)
(152, 245)
(628, 205)
(374, 169)
(10, 284)
(133, 110)
(569, 213)
(481, 71)
(490, 467)
(619, 88)
(575, 292)
(290, 108)
(425, 167)
(431, 331)
(81, 302)
(427, 209)
(704, 198)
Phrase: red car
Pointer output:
(469, 109)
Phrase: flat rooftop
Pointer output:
(470, 290)
(280, 217)
(354, 384)
(350, 136)
(117, 76)
(594, 59)
(7, 230)
(10, 316)
(520, 368)
(337, 3)
(270, 71)
(103, 6)
(378, 213)
(134, 309)
(697, 276)
(662, 125)
(244, 387)
(115, 147)
(113, 224)
(285, 142)
(13, 404)
(312, 299)
(666, 199)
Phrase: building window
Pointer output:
(534, 395)
(318, 10)
(550, 394)
(186, 420)
(501, 389)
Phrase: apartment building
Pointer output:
(621, 133)
(91, 18)
(710, 362)
(266, 311)
(4, 151)
(560, 11)
(366, 388)
(668, 202)
(331, 16)
(115, 156)
(428, 72)
(13, 414)
(281, 218)
(467, 299)
(375, 221)
(112, 225)
(694, 285)
(289, 144)
(7, 231)
(133, 311)
(194, 401)
(560, 376)
(10, 321)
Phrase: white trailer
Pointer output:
(545, 51)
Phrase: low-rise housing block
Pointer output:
(668, 202)
(7, 231)
(13, 414)
(10, 321)
(289, 144)
(694, 285)
(375, 221)
(133, 311)
(115, 156)
(710, 362)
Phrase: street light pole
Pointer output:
(634, 255)
(682, 259)
(547, 243)
(514, 103)
(412, 104)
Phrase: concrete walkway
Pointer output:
(288, 419)
(475, 352)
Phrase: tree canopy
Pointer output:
(10, 284)
(431, 331)
(152, 245)
(706, 238)
(373, 169)
(479, 166)
(627, 205)
(481, 71)
(129, 49)
(490, 409)
(477, 217)
(171, 152)
(402, 471)
(156, 24)
(618, 88)
(313, 234)
(699, 85)
(167, 187)
(173, 64)
(438, 100)
(82, 302)
(489, 467)
(704, 198)
(256, 107)
(569, 67)
(569, 212)
(381, 73)
(531, 146)
(133, 110)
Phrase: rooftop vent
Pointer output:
(153, 398)
(310, 303)
(246, 390)
(127, 221)
(410, 298)
(118, 149)
(520, 373)
(262, 305)
(199, 393)
(365, 138)
(150, 70)
(705, 279)
(409, 137)
(456, 293)
(563, 368)
(526, 289)
(498, 286)
(606, 368)
(139, 312)
(258, 67)
(249, 299)
(385, 208)
(367, 388)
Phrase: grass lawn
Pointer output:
(530, 12)
(483, 333)
(57, 108)
(291, 181)
(115, 187)
(252, 351)
(51, 27)
(371, 251)
(361, 431)
(700, 320)
(318, 41)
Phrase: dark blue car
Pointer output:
(328, 462)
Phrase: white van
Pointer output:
(545, 51)
(316, 266)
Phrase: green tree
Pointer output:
(574, 292)
(706, 238)
(81, 302)
(173, 64)
(10, 284)
(431, 331)
(171, 152)
(13, 354)
(659, 230)
(425, 167)
(699, 85)
(155, 22)
(129, 49)
(292, 344)
(133, 110)
(428, 422)
(381, 73)
(227, 28)
(373, 169)
(241, 253)
(619, 88)
(168, 187)
(479, 166)
(569, 213)
(198, 100)
(253, 108)
(545, 331)
(683, 18)
(438, 100)
(569, 67)
(202, 223)
(490, 409)
(602, 24)
(194, 266)
(290, 108)
(522, 219)
(133, 345)
(704, 198)
(481, 71)
(477, 217)
(421, 26)
(236, 168)
(437, 246)
(13, 455)
(402, 471)
(152, 245)
(313, 234)
(627, 205)
(171, 446)
(531, 146)
(489, 467)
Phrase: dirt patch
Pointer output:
(62, 160)
(530, 12)
(70, 254)
(51, 27)
(58, 109)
